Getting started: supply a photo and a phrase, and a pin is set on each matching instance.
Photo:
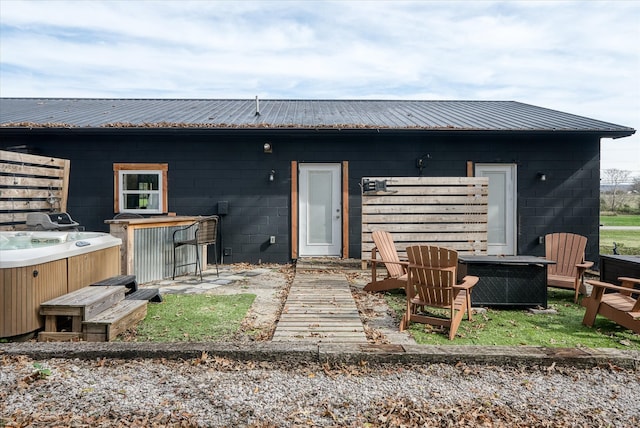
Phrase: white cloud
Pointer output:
(579, 57)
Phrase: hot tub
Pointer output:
(39, 266)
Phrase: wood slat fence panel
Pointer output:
(451, 212)
(31, 183)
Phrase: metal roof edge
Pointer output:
(601, 133)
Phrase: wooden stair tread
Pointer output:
(85, 303)
(149, 294)
(105, 326)
(114, 313)
(84, 296)
(128, 281)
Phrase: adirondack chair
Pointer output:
(396, 268)
(567, 250)
(621, 304)
(435, 287)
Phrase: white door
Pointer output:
(320, 228)
(502, 207)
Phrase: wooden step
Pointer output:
(60, 336)
(78, 306)
(128, 281)
(148, 294)
(108, 324)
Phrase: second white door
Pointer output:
(502, 207)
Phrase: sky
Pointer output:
(578, 57)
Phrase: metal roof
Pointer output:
(295, 114)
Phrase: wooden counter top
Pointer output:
(165, 219)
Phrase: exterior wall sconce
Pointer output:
(267, 148)
(420, 162)
(272, 175)
(542, 176)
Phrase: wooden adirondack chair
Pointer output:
(396, 268)
(621, 304)
(567, 250)
(431, 283)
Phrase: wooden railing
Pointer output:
(31, 183)
(451, 212)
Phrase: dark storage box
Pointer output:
(507, 280)
(613, 266)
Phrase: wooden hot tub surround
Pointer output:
(26, 283)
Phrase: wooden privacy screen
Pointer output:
(449, 212)
(30, 183)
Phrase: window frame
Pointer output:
(121, 169)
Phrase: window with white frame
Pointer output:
(140, 188)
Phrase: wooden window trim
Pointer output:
(345, 209)
(294, 210)
(117, 167)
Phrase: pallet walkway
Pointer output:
(320, 309)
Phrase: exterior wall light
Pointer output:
(267, 148)
(542, 176)
(272, 175)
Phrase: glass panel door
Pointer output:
(320, 231)
(502, 207)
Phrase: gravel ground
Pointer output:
(216, 392)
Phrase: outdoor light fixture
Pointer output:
(272, 175)
(542, 176)
(267, 148)
(420, 162)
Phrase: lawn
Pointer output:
(193, 317)
(517, 327)
(620, 220)
(209, 318)
(628, 241)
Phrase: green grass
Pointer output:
(519, 327)
(620, 220)
(194, 318)
(628, 241)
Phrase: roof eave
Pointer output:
(601, 133)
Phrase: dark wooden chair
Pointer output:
(620, 304)
(567, 250)
(431, 284)
(396, 268)
(199, 234)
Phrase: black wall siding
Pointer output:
(207, 167)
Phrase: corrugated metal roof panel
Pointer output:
(381, 114)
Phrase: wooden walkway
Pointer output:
(320, 308)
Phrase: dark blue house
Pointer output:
(285, 175)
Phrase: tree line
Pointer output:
(620, 196)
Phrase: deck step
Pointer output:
(65, 313)
(108, 324)
(85, 302)
(148, 294)
(60, 336)
(128, 281)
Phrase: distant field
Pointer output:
(620, 220)
(628, 241)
